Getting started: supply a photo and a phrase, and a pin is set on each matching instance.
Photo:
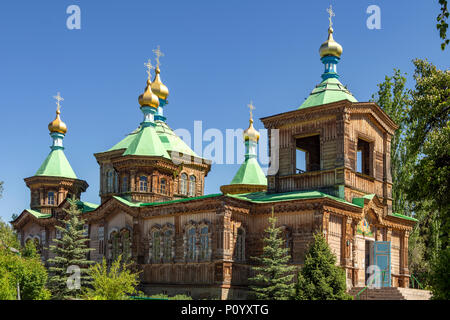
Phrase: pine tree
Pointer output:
(70, 250)
(320, 278)
(274, 278)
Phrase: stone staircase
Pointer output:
(391, 294)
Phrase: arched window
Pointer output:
(191, 244)
(116, 182)
(51, 198)
(162, 186)
(115, 250)
(239, 250)
(126, 245)
(37, 244)
(156, 246)
(109, 181)
(125, 184)
(167, 246)
(204, 243)
(286, 235)
(192, 186)
(143, 183)
(183, 184)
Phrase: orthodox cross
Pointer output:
(331, 13)
(251, 107)
(149, 68)
(58, 100)
(158, 54)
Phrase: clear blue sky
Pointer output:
(218, 56)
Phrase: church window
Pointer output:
(156, 246)
(363, 157)
(239, 251)
(109, 181)
(126, 245)
(183, 184)
(286, 235)
(162, 186)
(167, 246)
(125, 184)
(37, 244)
(308, 153)
(192, 186)
(85, 230)
(191, 244)
(143, 183)
(51, 198)
(101, 246)
(115, 250)
(116, 182)
(204, 243)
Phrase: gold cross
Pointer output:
(58, 100)
(158, 54)
(149, 68)
(331, 13)
(251, 107)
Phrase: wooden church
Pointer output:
(154, 212)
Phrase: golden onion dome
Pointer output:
(330, 47)
(148, 98)
(158, 87)
(251, 133)
(57, 125)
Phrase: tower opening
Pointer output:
(308, 148)
(363, 157)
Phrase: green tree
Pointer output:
(8, 289)
(1, 189)
(28, 273)
(8, 237)
(320, 278)
(274, 277)
(429, 143)
(440, 280)
(393, 98)
(419, 159)
(114, 283)
(70, 250)
(29, 250)
(442, 25)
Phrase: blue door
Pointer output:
(382, 259)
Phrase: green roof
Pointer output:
(254, 197)
(146, 143)
(145, 204)
(56, 165)
(38, 215)
(127, 202)
(171, 141)
(360, 201)
(265, 197)
(250, 173)
(87, 206)
(402, 216)
(329, 90)
(124, 143)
